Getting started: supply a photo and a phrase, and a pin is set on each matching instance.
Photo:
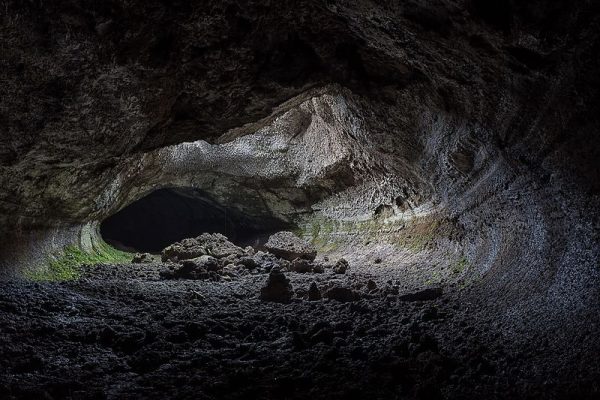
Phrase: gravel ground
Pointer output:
(121, 332)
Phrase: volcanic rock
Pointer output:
(215, 245)
(341, 266)
(314, 294)
(195, 268)
(342, 294)
(422, 295)
(277, 289)
(371, 285)
(289, 247)
(301, 265)
(142, 258)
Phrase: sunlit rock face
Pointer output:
(457, 129)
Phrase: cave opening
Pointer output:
(169, 215)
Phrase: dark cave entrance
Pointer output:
(166, 216)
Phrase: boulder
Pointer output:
(318, 268)
(249, 262)
(289, 246)
(277, 289)
(371, 285)
(214, 244)
(301, 265)
(142, 258)
(341, 266)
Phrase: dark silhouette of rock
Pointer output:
(342, 294)
(301, 265)
(277, 288)
(314, 294)
(142, 258)
(341, 266)
(422, 295)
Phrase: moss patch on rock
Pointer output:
(67, 265)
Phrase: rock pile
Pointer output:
(213, 256)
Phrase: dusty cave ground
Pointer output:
(164, 329)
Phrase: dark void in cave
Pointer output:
(168, 215)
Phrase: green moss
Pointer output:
(435, 279)
(325, 244)
(460, 265)
(315, 229)
(68, 264)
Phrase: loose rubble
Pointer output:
(218, 321)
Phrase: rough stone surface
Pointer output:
(342, 294)
(302, 265)
(290, 247)
(341, 266)
(215, 245)
(277, 289)
(142, 258)
(423, 295)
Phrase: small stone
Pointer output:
(249, 262)
(378, 260)
(342, 294)
(142, 258)
(371, 285)
(301, 265)
(318, 268)
(341, 266)
(278, 288)
(314, 294)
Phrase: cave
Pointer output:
(317, 199)
(166, 216)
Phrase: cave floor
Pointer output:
(121, 332)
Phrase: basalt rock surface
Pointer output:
(290, 247)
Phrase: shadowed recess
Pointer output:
(169, 215)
